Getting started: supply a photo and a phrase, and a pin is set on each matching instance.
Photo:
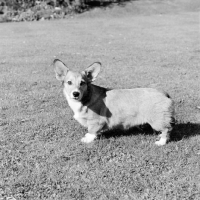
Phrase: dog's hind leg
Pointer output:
(163, 137)
(165, 131)
(165, 128)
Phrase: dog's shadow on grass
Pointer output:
(184, 130)
(180, 131)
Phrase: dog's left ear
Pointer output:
(92, 71)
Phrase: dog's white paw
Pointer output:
(88, 138)
(161, 142)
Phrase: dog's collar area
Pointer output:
(86, 98)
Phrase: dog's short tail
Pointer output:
(167, 95)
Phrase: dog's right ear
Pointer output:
(60, 69)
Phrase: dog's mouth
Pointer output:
(76, 98)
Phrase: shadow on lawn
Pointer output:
(180, 131)
(186, 130)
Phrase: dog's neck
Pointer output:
(87, 96)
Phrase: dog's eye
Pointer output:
(82, 83)
(69, 82)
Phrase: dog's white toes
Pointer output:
(161, 142)
(88, 138)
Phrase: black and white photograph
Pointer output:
(99, 99)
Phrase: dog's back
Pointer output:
(131, 107)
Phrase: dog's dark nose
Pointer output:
(76, 94)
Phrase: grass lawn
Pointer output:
(140, 44)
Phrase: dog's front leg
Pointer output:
(89, 137)
(93, 129)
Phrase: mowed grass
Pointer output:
(41, 155)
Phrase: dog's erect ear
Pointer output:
(92, 71)
(61, 69)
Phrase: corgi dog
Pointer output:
(99, 109)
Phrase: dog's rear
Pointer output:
(98, 108)
(133, 107)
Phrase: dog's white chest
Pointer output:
(81, 116)
(80, 112)
(81, 119)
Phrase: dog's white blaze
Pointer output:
(77, 108)
(74, 105)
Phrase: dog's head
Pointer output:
(76, 83)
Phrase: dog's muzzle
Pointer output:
(76, 95)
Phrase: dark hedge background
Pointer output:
(30, 10)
